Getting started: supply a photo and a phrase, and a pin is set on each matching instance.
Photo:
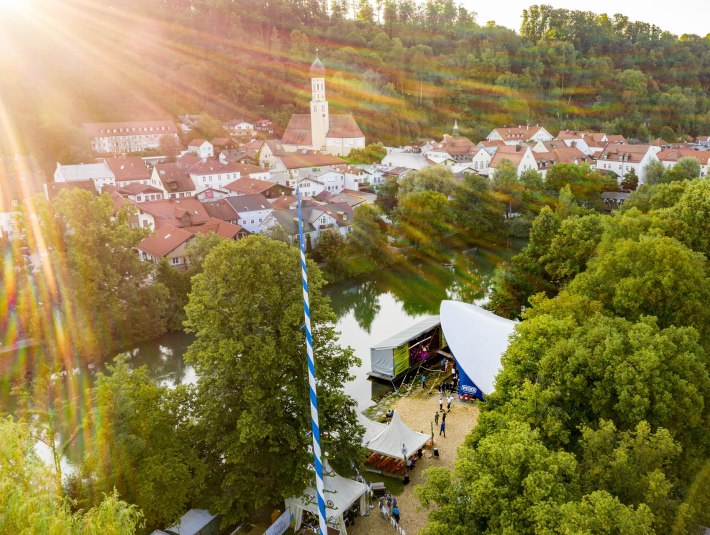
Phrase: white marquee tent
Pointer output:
(390, 440)
(340, 494)
(477, 338)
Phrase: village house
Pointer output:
(20, 180)
(317, 217)
(320, 130)
(559, 153)
(590, 143)
(292, 167)
(350, 197)
(481, 161)
(138, 193)
(356, 177)
(221, 209)
(53, 189)
(173, 181)
(98, 173)
(521, 156)
(249, 186)
(515, 136)
(454, 147)
(126, 137)
(252, 209)
(172, 242)
(222, 144)
(128, 170)
(238, 127)
(669, 157)
(179, 213)
(269, 152)
(201, 148)
(620, 158)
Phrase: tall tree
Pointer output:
(250, 355)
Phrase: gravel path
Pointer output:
(417, 411)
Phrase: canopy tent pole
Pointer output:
(317, 456)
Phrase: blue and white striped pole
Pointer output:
(312, 378)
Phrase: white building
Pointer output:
(669, 157)
(520, 156)
(521, 134)
(481, 161)
(125, 137)
(320, 130)
(238, 127)
(620, 158)
(252, 210)
(201, 147)
(98, 173)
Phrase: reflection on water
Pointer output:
(369, 309)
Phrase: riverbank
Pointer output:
(417, 411)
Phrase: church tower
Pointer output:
(320, 122)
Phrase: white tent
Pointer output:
(372, 429)
(340, 494)
(390, 441)
(477, 338)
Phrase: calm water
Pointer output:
(369, 309)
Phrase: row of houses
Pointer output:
(534, 148)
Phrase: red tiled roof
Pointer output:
(130, 168)
(219, 227)
(508, 152)
(165, 240)
(673, 155)
(196, 142)
(249, 185)
(54, 188)
(298, 160)
(130, 128)
(207, 166)
(623, 152)
(561, 154)
(177, 212)
(519, 133)
(135, 188)
(221, 209)
(456, 145)
(298, 131)
(174, 178)
(283, 202)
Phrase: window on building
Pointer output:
(174, 261)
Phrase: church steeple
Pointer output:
(456, 128)
(320, 121)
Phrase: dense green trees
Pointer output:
(31, 502)
(608, 370)
(418, 63)
(143, 446)
(102, 278)
(249, 352)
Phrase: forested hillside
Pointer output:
(405, 69)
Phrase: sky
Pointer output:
(685, 16)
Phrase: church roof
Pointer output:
(317, 68)
(298, 131)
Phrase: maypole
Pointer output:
(323, 529)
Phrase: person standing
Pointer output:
(443, 417)
(436, 418)
(395, 513)
(443, 364)
(423, 380)
(442, 428)
(441, 403)
(448, 403)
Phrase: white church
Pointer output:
(334, 134)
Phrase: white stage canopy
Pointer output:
(340, 494)
(390, 441)
(477, 338)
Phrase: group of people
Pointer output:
(389, 506)
(442, 426)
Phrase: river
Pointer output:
(369, 309)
